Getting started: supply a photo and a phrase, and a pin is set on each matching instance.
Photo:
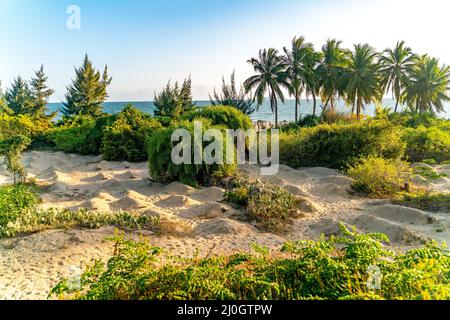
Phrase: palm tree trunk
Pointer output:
(314, 103)
(358, 108)
(296, 107)
(396, 105)
(276, 111)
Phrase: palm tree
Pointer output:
(396, 66)
(272, 75)
(330, 70)
(360, 80)
(296, 68)
(428, 86)
(312, 80)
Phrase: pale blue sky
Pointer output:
(146, 43)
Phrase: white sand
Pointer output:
(194, 221)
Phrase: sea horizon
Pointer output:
(286, 111)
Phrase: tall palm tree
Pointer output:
(428, 86)
(312, 79)
(296, 68)
(396, 66)
(330, 70)
(271, 77)
(360, 80)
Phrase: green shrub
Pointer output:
(162, 168)
(337, 146)
(125, 138)
(13, 200)
(334, 117)
(415, 120)
(12, 149)
(427, 143)
(380, 177)
(21, 125)
(70, 136)
(229, 117)
(268, 204)
(428, 173)
(435, 202)
(94, 137)
(335, 268)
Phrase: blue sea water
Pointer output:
(286, 111)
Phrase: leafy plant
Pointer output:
(12, 149)
(335, 268)
(427, 143)
(435, 202)
(379, 176)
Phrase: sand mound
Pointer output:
(208, 211)
(104, 196)
(306, 205)
(420, 181)
(128, 203)
(249, 170)
(153, 212)
(328, 227)
(176, 201)
(126, 176)
(401, 214)
(113, 184)
(224, 226)
(329, 190)
(421, 165)
(319, 171)
(103, 165)
(95, 204)
(343, 181)
(177, 188)
(296, 190)
(208, 194)
(395, 231)
(99, 177)
(275, 180)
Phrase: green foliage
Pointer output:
(87, 91)
(162, 168)
(230, 96)
(229, 117)
(428, 173)
(434, 202)
(125, 137)
(335, 268)
(40, 94)
(21, 125)
(427, 143)
(12, 149)
(414, 120)
(380, 177)
(173, 100)
(71, 136)
(19, 97)
(337, 146)
(268, 204)
(13, 200)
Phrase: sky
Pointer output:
(146, 43)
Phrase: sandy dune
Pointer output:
(196, 221)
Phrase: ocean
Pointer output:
(286, 111)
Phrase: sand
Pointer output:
(194, 222)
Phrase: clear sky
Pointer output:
(147, 42)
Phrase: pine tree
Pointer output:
(40, 93)
(87, 91)
(3, 106)
(19, 98)
(168, 102)
(186, 95)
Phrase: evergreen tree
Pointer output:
(168, 103)
(186, 95)
(3, 106)
(19, 98)
(87, 91)
(40, 93)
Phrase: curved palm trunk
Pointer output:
(314, 103)
(396, 105)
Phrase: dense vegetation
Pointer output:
(345, 267)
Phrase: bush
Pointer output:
(435, 202)
(162, 168)
(380, 177)
(229, 117)
(415, 120)
(335, 268)
(70, 136)
(94, 137)
(21, 125)
(337, 146)
(12, 149)
(332, 117)
(125, 138)
(13, 200)
(268, 204)
(427, 143)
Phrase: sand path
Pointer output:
(197, 222)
